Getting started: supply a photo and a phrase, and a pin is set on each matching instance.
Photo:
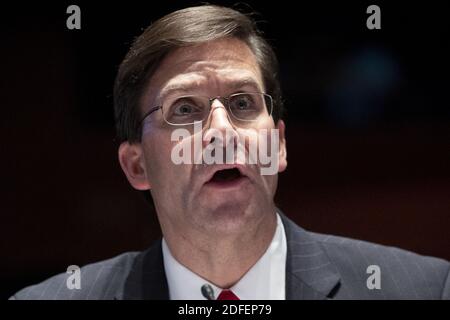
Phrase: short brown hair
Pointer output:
(190, 26)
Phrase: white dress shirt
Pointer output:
(264, 281)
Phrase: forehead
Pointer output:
(218, 66)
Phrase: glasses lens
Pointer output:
(242, 106)
(185, 110)
(250, 106)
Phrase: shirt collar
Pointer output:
(264, 281)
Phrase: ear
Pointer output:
(131, 160)
(282, 153)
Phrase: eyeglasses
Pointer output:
(185, 110)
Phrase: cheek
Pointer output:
(157, 149)
(270, 186)
(162, 171)
(267, 123)
(273, 181)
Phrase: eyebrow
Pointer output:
(232, 84)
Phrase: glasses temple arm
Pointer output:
(149, 113)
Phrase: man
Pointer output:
(204, 79)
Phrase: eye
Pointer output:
(242, 102)
(183, 109)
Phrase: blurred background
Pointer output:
(368, 128)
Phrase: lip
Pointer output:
(226, 184)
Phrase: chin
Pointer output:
(228, 217)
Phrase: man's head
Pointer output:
(181, 29)
(206, 51)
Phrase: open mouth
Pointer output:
(226, 177)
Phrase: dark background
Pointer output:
(368, 129)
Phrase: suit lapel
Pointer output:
(147, 279)
(310, 275)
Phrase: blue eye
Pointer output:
(242, 103)
(183, 109)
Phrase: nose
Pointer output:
(219, 126)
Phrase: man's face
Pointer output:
(199, 197)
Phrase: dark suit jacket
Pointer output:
(318, 267)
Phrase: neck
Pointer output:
(223, 260)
